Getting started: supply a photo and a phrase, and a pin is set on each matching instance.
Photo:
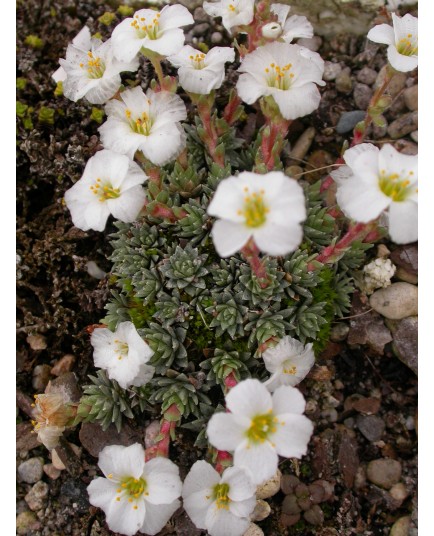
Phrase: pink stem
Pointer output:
(166, 213)
(167, 427)
(211, 139)
(251, 254)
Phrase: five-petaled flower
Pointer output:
(289, 362)
(111, 184)
(402, 40)
(220, 504)
(145, 122)
(201, 73)
(135, 496)
(123, 354)
(149, 30)
(286, 28)
(270, 208)
(289, 73)
(90, 70)
(232, 12)
(375, 180)
(261, 426)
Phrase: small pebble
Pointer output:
(37, 342)
(396, 84)
(414, 136)
(31, 470)
(349, 120)
(312, 43)
(371, 426)
(405, 342)
(314, 516)
(201, 29)
(331, 71)
(399, 300)
(411, 97)
(339, 332)
(302, 145)
(288, 483)
(384, 472)
(294, 172)
(254, 530)
(37, 497)
(367, 76)
(403, 125)
(41, 377)
(26, 522)
(57, 462)
(216, 38)
(262, 511)
(94, 270)
(270, 487)
(344, 82)
(362, 96)
(51, 471)
(399, 492)
(401, 527)
(64, 364)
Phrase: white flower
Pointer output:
(286, 72)
(377, 274)
(135, 496)
(111, 184)
(159, 32)
(293, 27)
(261, 426)
(232, 12)
(123, 354)
(147, 123)
(201, 73)
(289, 362)
(270, 208)
(221, 505)
(402, 40)
(90, 69)
(375, 180)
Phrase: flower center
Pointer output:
(150, 29)
(395, 186)
(141, 125)
(121, 348)
(255, 209)
(221, 496)
(407, 46)
(232, 8)
(95, 66)
(198, 61)
(288, 368)
(279, 77)
(104, 191)
(132, 489)
(261, 427)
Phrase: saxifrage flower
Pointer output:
(232, 12)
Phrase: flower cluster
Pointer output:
(221, 260)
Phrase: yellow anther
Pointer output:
(135, 507)
(118, 499)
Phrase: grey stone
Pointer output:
(362, 96)
(339, 332)
(415, 136)
(367, 76)
(379, 131)
(411, 97)
(26, 439)
(395, 302)
(37, 497)
(51, 471)
(399, 492)
(31, 470)
(401, 527)
(344, 82)
(314, 516)
(94, 439)
(371, 426)
(396, 85)
(75, 492)
(200, 30)
(349, 120)
(262, 511)
(200, 14)
(384, 472)
(66, 385)
(331, 71)
(407, 257)
(216, 38)
(404, 275)
(405, 342)
(403, 125)
(41, 377)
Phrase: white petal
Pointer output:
(403, 222)
(125, 42)
(351, 155)
(104, 353)
(277, 379)
(261, 460)
(127, 206)
(201, 475)
(197, 504)
(281, 10)
(121, 461)
(102, 493)
(200, 81)
(241, 486)
(221, 522)
(59, 75)
(83, 39)
(157, 515)
(162, 477)
(297, 101)
(288, 400)
(170, 43)
(225, 432)
(213, 9)
(175, 17)
(243, 508)
(399, 61)
(229, 198)
(218, 55)
(229, 237)
(128, 332)
(404, 25)
(104, 91)
(145, 374)
(164, 144)
(248, 399)
(295, 27)
(292, 437)
(393, 162)
(278, 240)
(118, 136)
(382, 33)
(166, 108)
(360, 201)
(248, 89)
(124, 518)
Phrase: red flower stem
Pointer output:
(230, 109)
(251, 253)
(204, 106)
(167, 428)
(166, 213)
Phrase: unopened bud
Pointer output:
(272, 30)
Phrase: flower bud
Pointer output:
(272, 30)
